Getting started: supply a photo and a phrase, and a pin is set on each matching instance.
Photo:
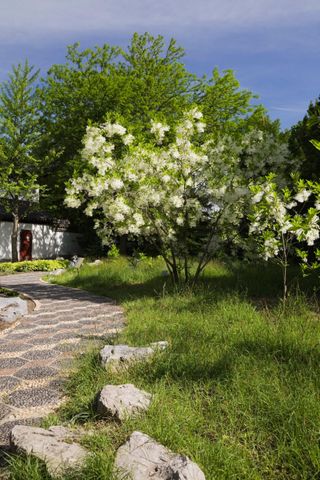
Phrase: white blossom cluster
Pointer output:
(153, 189)
(281, 219)
(159, 131)
(262, 153)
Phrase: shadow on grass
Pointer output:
(252, 282)
(119, 290)
(292, 360)
(261, 280)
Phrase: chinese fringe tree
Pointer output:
(171, 188)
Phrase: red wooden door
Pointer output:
(25, 245)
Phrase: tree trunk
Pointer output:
(284, 270)
(123, 247)
(14, 237)
(186, 269)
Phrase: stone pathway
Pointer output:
(34, 355)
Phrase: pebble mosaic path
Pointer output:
(35, 354)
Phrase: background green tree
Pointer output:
(229, 110)
(73, 94)
(19, 138)
(143, 82)
(300, 145)
(157, 81)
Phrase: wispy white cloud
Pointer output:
(289, 109)
(25, 19)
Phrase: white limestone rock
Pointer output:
(159, 345)
(123, 354)
(122, 401)
(96, 262)
(12, 308)
(142, 458)
(59, 271)
(51, 446)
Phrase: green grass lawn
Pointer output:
(238, 388)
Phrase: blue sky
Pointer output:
(273, 45)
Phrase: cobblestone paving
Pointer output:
(35, 354)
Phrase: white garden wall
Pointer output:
(47, 242)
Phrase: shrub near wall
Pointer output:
(33, 266)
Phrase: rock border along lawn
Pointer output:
(142, 458)
(31, 374)
(53, 446)
(34, 354)
(122, 401)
